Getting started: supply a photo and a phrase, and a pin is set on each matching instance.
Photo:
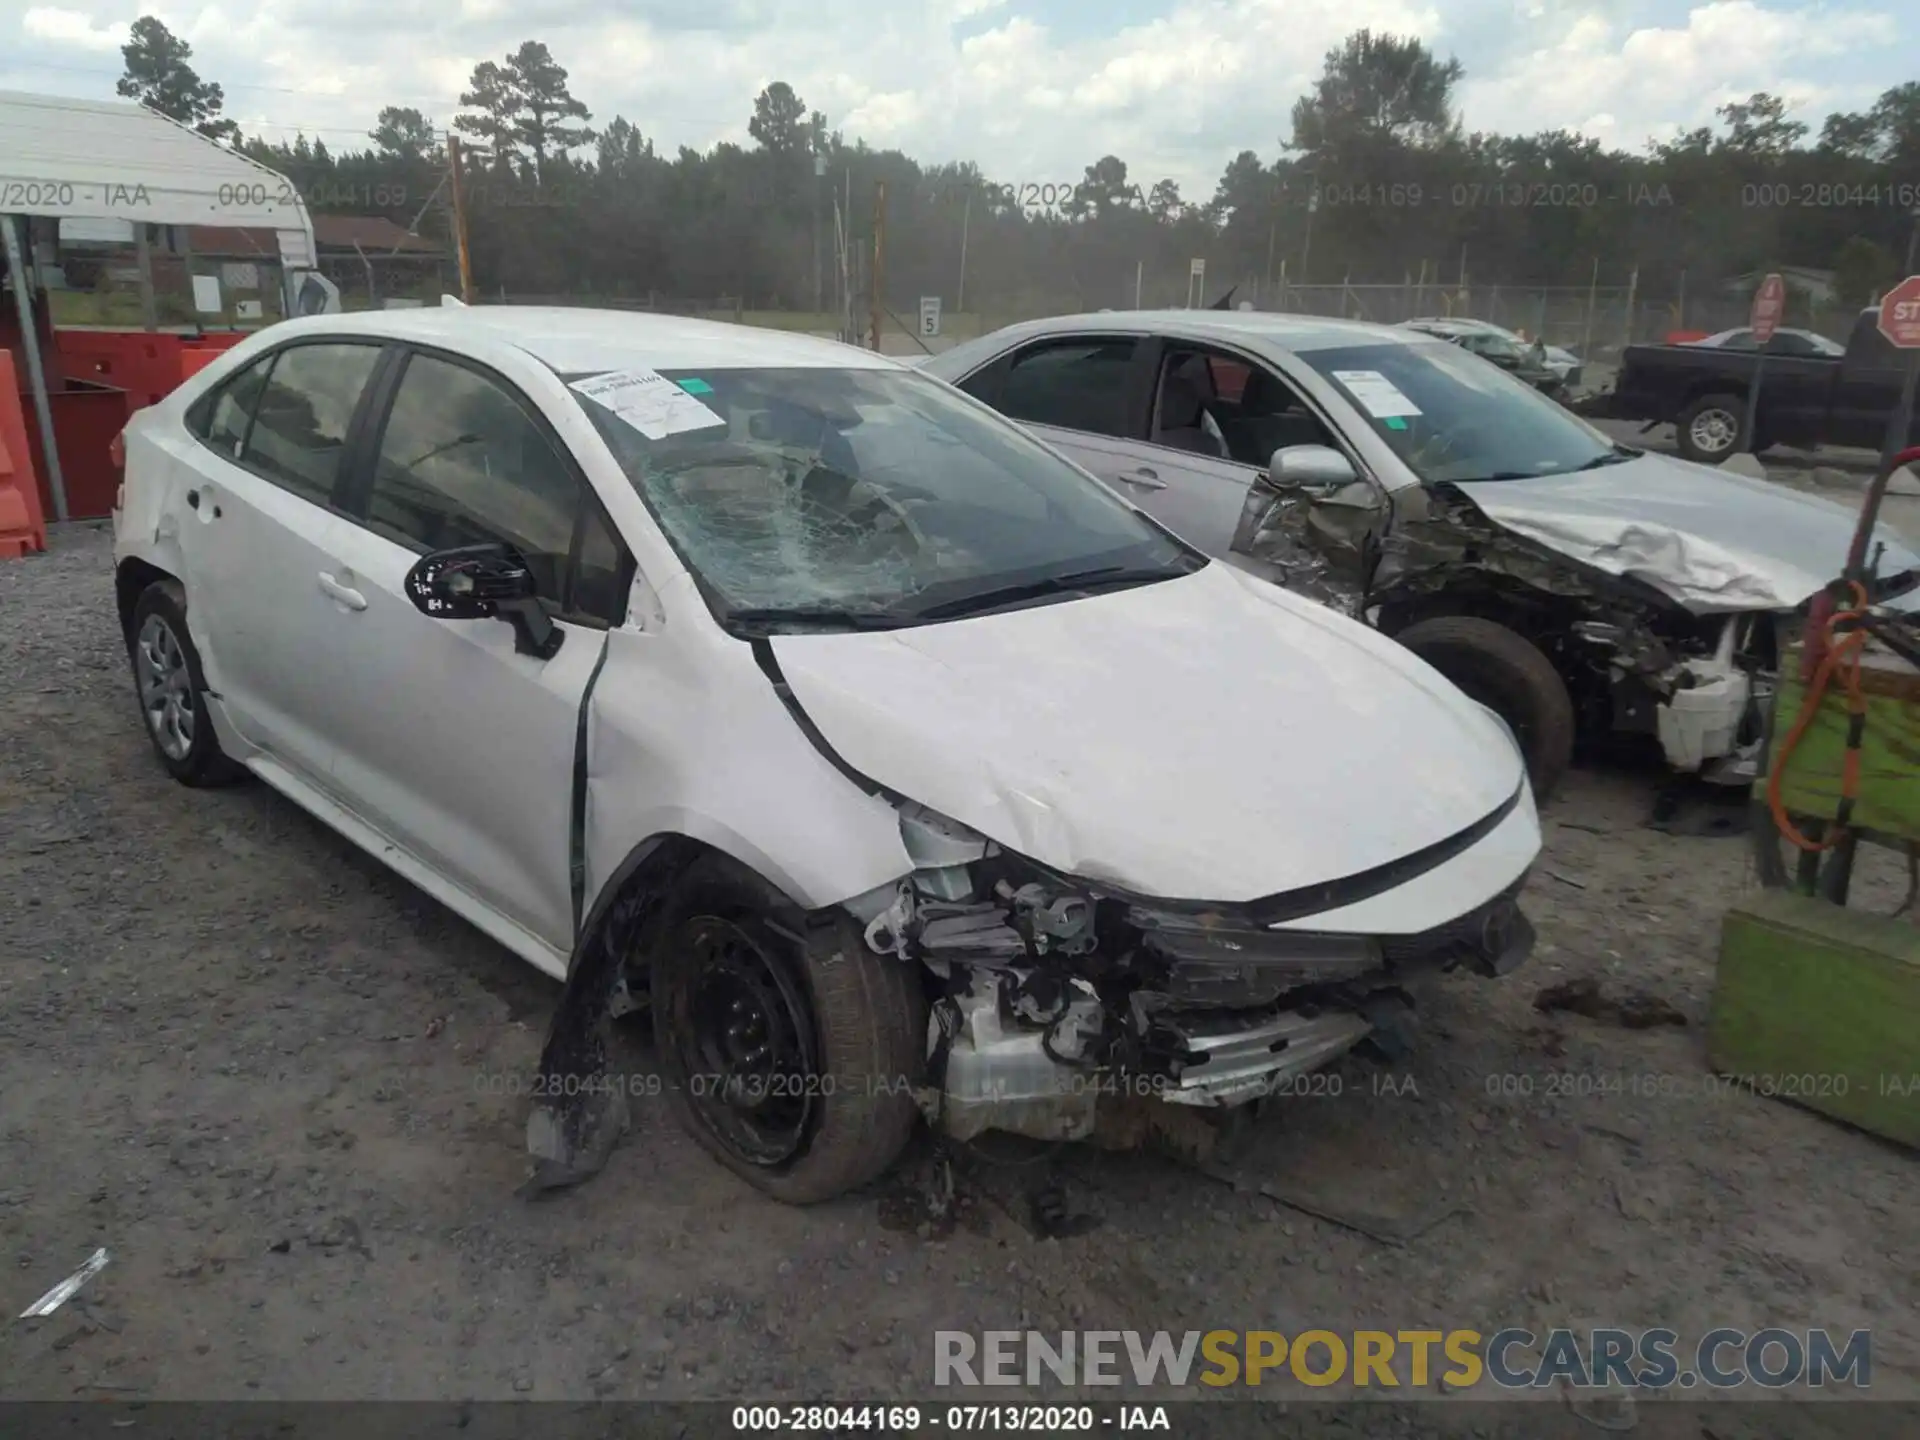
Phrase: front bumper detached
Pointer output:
(1204, 1011)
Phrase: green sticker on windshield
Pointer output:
(1394, 422)
(695, 387)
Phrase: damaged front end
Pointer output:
(1053, 998)
(1635, 661)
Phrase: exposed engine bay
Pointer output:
(1051, 996)
(1634, 660)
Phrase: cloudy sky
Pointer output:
(1032, 90)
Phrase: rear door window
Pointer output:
(1074, 384)
(299, 429)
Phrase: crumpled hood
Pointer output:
(1711, 540)
(1205, 738)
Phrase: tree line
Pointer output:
(1376, 182)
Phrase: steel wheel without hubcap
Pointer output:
(1713, 431)
(743, 1038)
(166, 687)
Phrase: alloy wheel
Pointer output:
(1713, 431)
(166, 687)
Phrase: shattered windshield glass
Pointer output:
(1452, 416)
(861, 497)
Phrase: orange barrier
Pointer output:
(146, 364)
(23, 526)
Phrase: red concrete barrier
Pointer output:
(196, 359)
(23, 525)
(146, 364)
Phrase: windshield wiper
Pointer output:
(757, 616)
(1105, 577)
(1619, 455)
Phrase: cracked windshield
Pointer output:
(826, 495)
(839, 718)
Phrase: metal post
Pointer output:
(1273, 234)
(460, 220)
(373, 293)
(143, 256)
(186, 259)
(1313, 204)
(960, 290)
(819, 174)
(36, 373)
(1633, 291)
(1899, 427)
(1139, 275)
(879, 258)
(1586, 333)
(1753, 396)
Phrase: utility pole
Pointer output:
(1273, 234)
(1313, 204)
(879, 258)
(1586, 331)
(960, 291)
(1633, 295)
(819, 174)
(460, 220)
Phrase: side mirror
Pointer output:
(485, 582)
(1310, 467)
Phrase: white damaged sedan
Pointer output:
(891, 762)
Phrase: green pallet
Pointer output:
(1820, 1005)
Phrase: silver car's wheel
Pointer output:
(171, 688)
(166, 687)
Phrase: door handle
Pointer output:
(1143, 476)
(345, 594)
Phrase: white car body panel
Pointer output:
(454, 746)
(1208, 739)
(687, 735)
(1282, 755)
(1432, 898)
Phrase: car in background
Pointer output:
(1572, 583)
(1562, 362)
(785, 692)
(1805, 399)
(1783, 342)
(1524, 362)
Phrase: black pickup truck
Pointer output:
(1804, 399)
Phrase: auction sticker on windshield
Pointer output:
(1377, 395)
(649, 402)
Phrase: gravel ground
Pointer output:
(272, 1079)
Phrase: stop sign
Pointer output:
(1769, 304)
(1900, 313)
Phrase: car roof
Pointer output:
(1288, 332)
(579, 339)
